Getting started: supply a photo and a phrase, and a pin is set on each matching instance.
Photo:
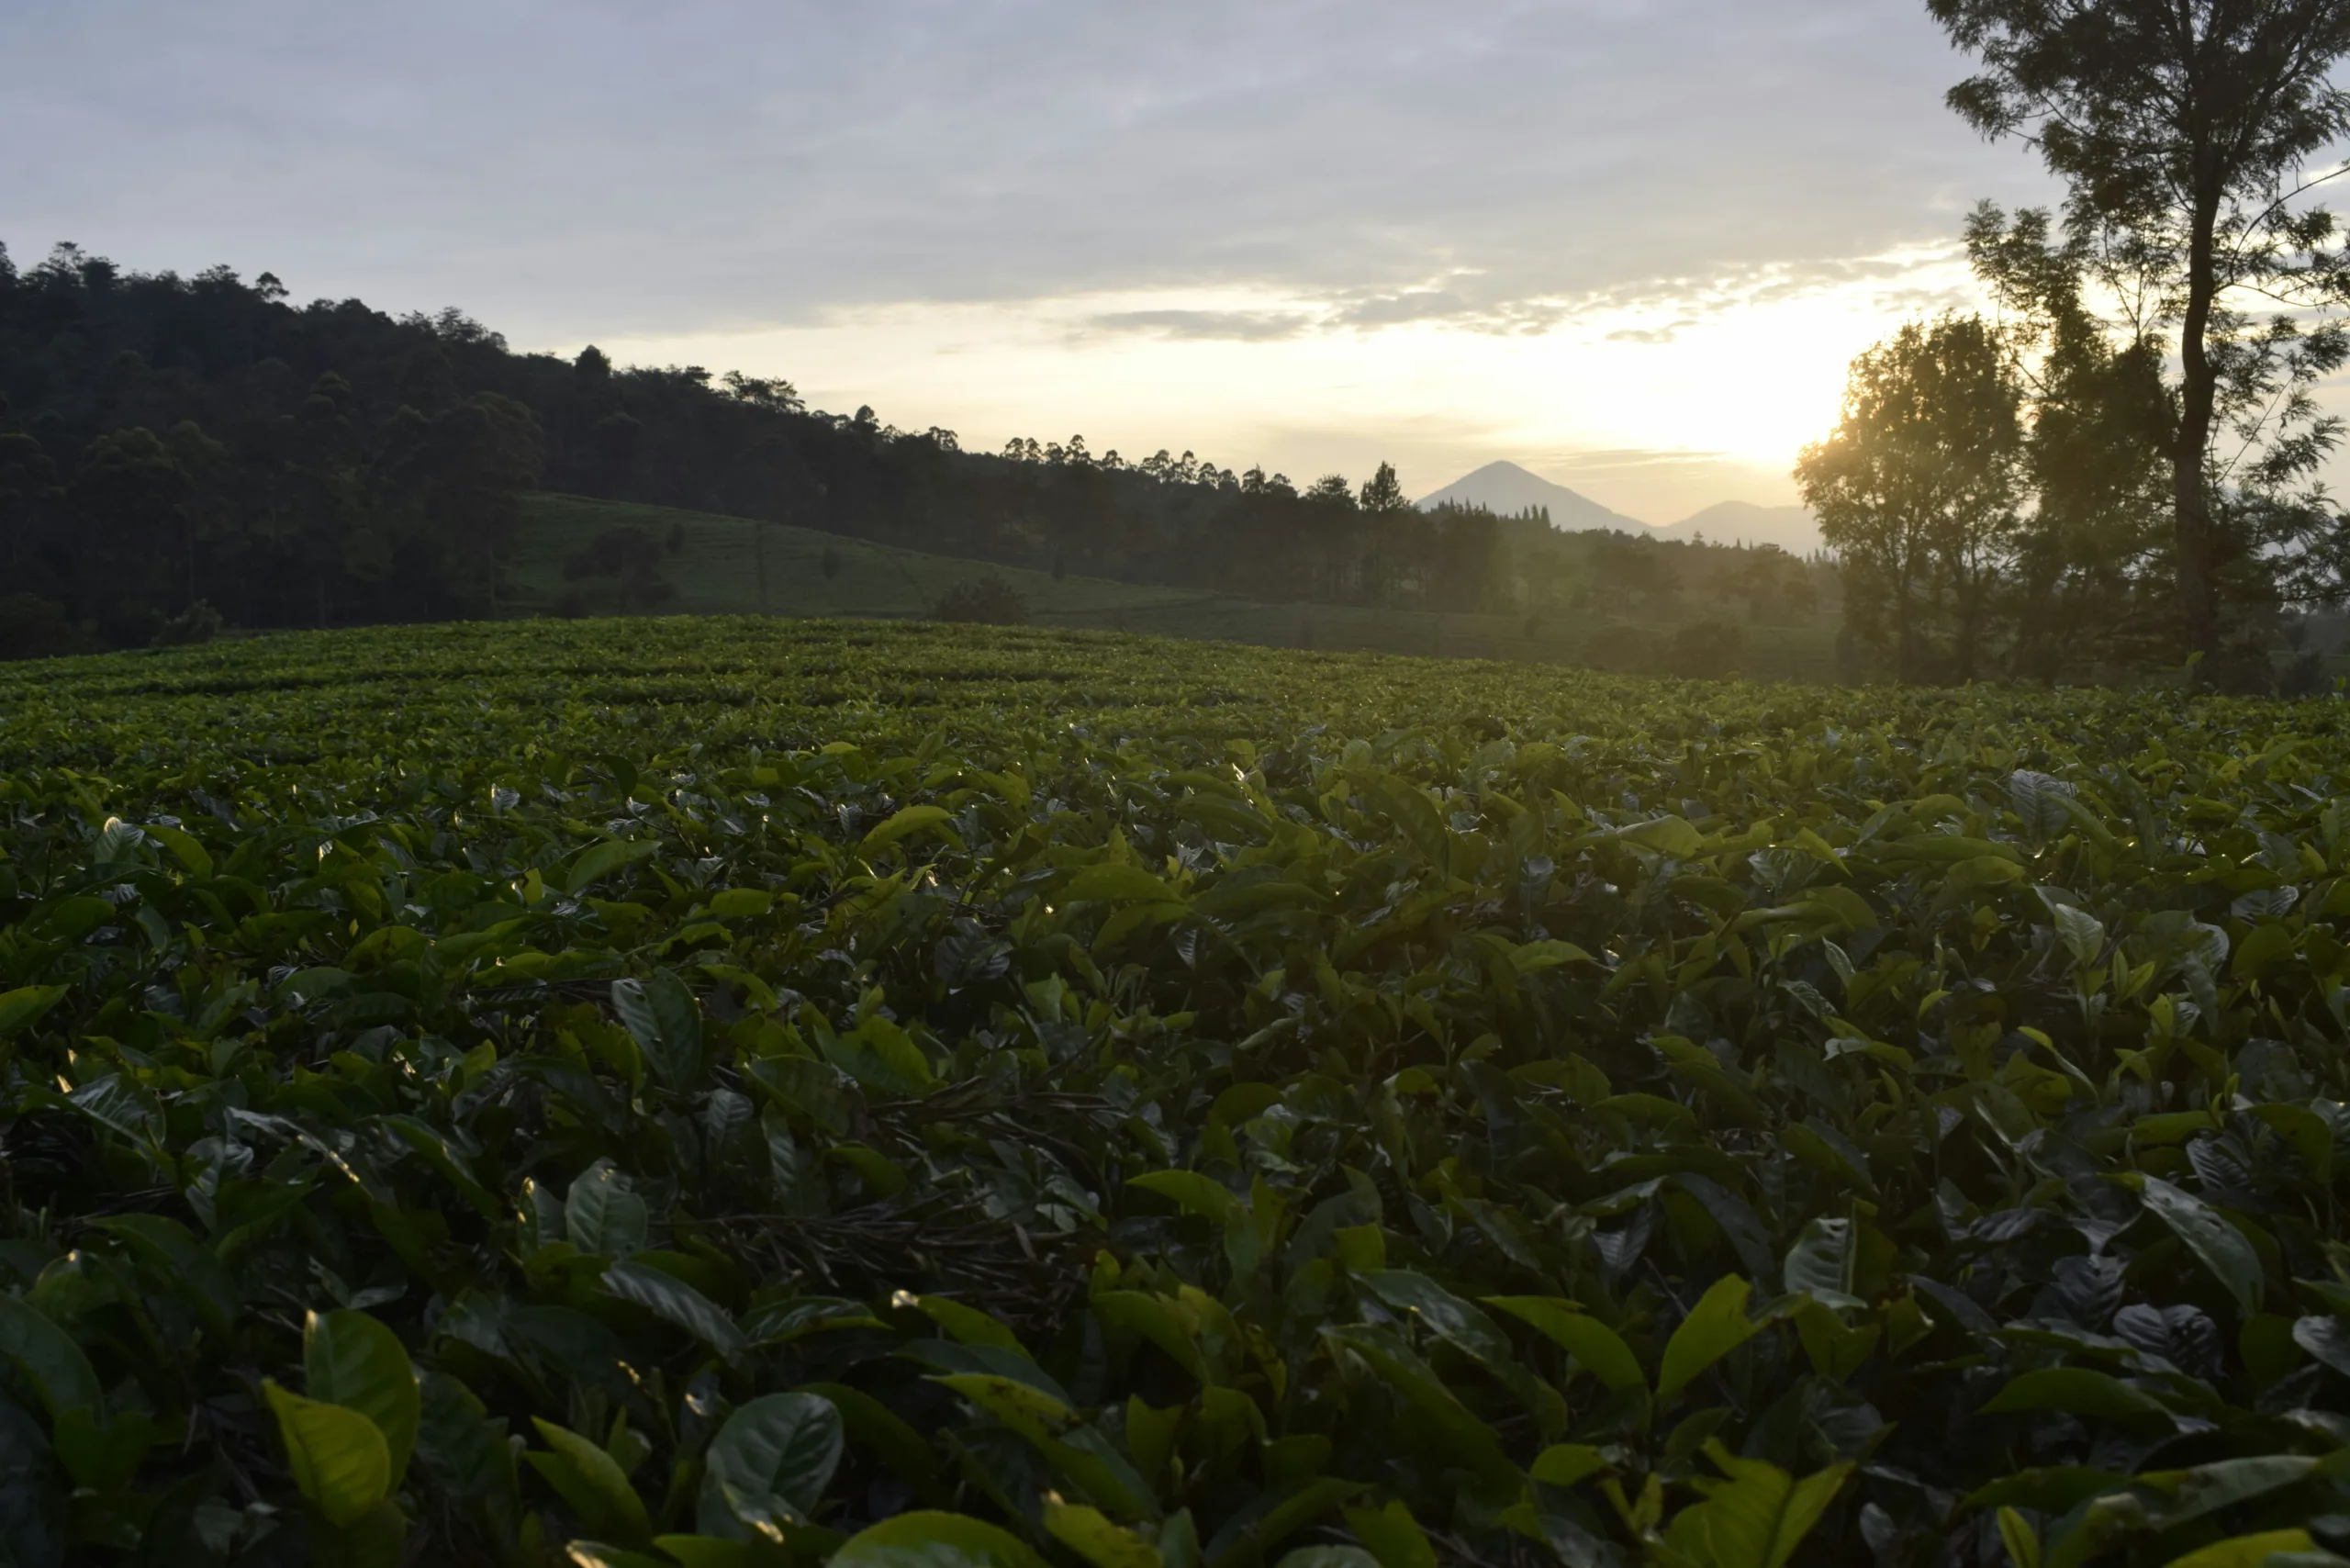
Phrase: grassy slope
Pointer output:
(717, 573)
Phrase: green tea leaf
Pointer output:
(666, 1022)
(1821, 1262)
(340, 1460)
(1394, 1536)
(1715, 1327)
(2327, 1339)
(928, 1539)
(56, 1367)
(781, 1445)
(1468, 1440)
(350, 1359)
(2245, 1551)
(1189, 1191)
(1598, 1349)
(2077, 1391)
(602, 1215)
(882, 1057)
(675, 1301)
(967, 1324)
(600, 861)
(904, 822)
(1091, 1535)
(1755, 1518)
(1118, 884)
(591, 1483)
(2220, 1246)
(22, 1008)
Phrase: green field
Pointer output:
(742, 1092)
(718, 572)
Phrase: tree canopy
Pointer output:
(1917, 491)
(2189, 134)
(166, 440)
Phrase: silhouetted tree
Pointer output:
(1917, 492)
(1332, 490)
(2182, 130)
(132, 497)
(1383, 492)
(27, 485)
(2093, 577)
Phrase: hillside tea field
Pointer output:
(729, 1093)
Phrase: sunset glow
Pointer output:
(1655, 409)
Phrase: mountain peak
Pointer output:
(1507, 488)
(1792, 528)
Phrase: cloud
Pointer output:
(1651, 334)
(1243, 326)
(1409, 305)
(582, 166)
(1612, 460)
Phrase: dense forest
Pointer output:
(178, 450)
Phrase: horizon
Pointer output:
(1245, 232)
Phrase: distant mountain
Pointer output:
(1792, 528)
(1506, 487)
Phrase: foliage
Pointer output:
(632, 558)
(165, 438)
(1917, 492)
(199, 623)
(987, 601)
(32, 627)
(656, 1092)
(1774, 598)
(1707, 648)
(2185, 132)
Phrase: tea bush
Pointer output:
(738, 1092)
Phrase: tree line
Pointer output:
(2118, 466)
(174, 448)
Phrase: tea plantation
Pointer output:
(732, 1092)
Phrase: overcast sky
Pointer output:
(1630, 243)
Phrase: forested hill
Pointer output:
(167, 441)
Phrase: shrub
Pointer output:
(987, 601)
(1707, 648)
(34, 628)
(628, 554)
(199, 623)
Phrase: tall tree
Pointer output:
(28, 483)
(1382, 491)
(2184, 131)
(2095, 578)
(133, 496)
(1917, 491)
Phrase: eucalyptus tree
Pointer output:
(2189, 134)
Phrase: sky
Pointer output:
(1631, 244)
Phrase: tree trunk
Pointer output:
(2198, 588)
(1969, 609)
(1906, 660)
